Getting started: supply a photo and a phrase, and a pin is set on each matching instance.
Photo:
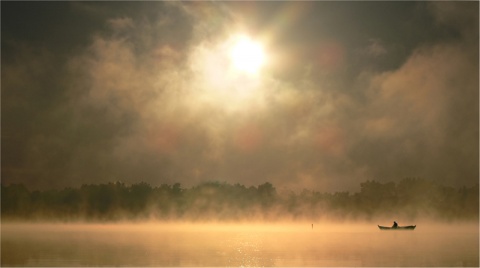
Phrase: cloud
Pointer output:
(375, 48)
(459, 17)
(416, 114)
(143, 102)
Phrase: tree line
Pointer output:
(409, 199)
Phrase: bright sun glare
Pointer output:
(231, 71)
(247, 55)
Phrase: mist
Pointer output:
(409, 200)
(137, 95)
(280, 244)
(130, 138)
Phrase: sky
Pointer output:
(98, 92)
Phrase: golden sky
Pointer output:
(321, 95)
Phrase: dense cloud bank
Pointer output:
(105, 91)
(407, 200)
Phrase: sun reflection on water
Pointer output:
(184, 245)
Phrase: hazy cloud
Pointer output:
(375, 48)
(144, 101)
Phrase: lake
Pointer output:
(275, 244)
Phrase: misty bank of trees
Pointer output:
(408, 199)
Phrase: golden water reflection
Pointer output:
(235, 245)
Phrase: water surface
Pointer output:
(236, 245)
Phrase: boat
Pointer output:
(410, 227)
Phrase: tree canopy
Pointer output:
(408, 199)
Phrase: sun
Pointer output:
(231, 72)
(247, 55)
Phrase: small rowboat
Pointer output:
(411, 227)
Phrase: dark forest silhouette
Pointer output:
(408, 199)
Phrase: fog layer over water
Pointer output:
(256, 244)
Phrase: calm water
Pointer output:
(236, 245)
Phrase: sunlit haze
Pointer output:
(318, 95)
(233, 245)
(239, 133)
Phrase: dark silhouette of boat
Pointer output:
(410, 227)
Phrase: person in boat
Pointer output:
(395, 225)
